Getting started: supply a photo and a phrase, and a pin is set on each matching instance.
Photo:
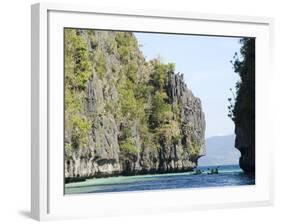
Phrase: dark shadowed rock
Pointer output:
(244, 109)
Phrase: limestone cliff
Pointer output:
(125, 115)
(244, 108)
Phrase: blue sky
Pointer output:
(205, 62)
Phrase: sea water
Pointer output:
(229, 175)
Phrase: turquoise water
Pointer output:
(230, 175)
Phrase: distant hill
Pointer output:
(220, 150)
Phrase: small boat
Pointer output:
(197, 172)
(214, 171)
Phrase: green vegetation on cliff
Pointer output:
(245, 89)
(124, 111)
(77, 74)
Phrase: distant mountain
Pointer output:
(220, 150)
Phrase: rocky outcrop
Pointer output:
(173, 146)
(245, 142)
(244, 109)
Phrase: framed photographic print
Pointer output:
(132, 110)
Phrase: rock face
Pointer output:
(244, 110)
(125, 137)
(245, 142)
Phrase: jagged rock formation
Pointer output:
(124, 115)
(244, 109)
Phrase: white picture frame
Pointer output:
(47, 198)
